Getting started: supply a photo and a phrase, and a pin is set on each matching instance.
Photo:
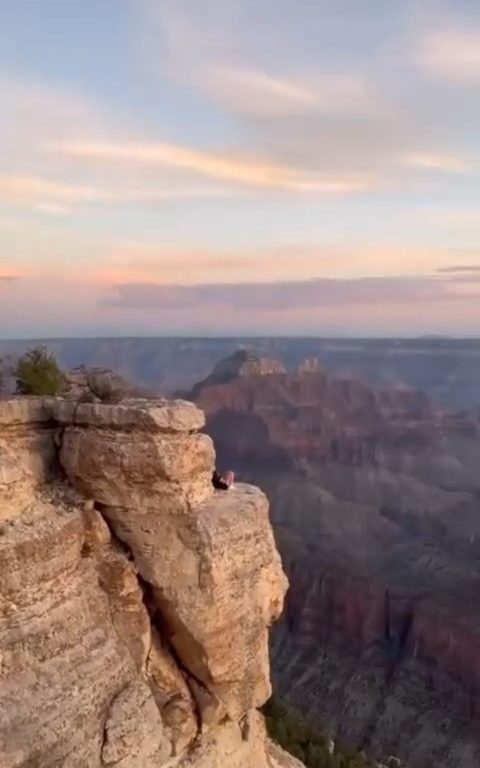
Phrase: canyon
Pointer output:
(135, 601)
(375, 504)
(374, 492)
(446, 369)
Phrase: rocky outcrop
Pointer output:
(135, 600)
(309, 365)
(96, 385)
(243, 364)
(374, 498)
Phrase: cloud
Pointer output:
(35, 112)
(56, 197)
(464, 278)
(315, 91)
(248, 91)
(37, 115)
(245, 172)
(452, 53)
(435, 162)
(32, 189)
(257, 92)
(349, 307)
(144, 262)
(461, 269)
(279, 296)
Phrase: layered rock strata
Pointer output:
(134, 600)
(374, 498)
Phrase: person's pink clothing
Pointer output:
(223, 482)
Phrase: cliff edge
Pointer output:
(135, 601)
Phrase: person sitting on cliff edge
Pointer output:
(223, 482)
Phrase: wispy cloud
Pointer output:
(452, 52)
(237, 170)
(256, 92)
(249, 91)
(37, 115)
(35, 112)
(462, 269)
(34, 189)
(307, 90)
(436, 162)
(143, 262)
(57, 198)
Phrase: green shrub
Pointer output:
(37, 373)
(294, 734)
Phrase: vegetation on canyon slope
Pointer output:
(291, 731)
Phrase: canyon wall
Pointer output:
(446, 369)
(135, 601)
(374, 498)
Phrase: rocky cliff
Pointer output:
(375, 506)
(135, 601)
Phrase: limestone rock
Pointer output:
(62, 660)
(134, 600)
(210, 558)
(218, 584)
(219, 606)
(118, 578)
(97, 532)
(27, 453)
(131, 414)
(172, 694)
(134, 735)
(210, 708)
(231, 746)
(96, 384)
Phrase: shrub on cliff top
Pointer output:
(37, 373)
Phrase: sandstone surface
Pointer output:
(135, 601)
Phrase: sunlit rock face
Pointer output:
(135, 601)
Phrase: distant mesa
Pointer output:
(241, 363)
(245, 363)
(310, 365)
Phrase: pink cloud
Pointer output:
(372, 307)
(281, 296)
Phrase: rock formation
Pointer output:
(97, 385)
(242, 363)
(374, 499)
(446, 369)
(135, 600)
(309, 365)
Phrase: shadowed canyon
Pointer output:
(374, 498)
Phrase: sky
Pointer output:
(293, 167)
